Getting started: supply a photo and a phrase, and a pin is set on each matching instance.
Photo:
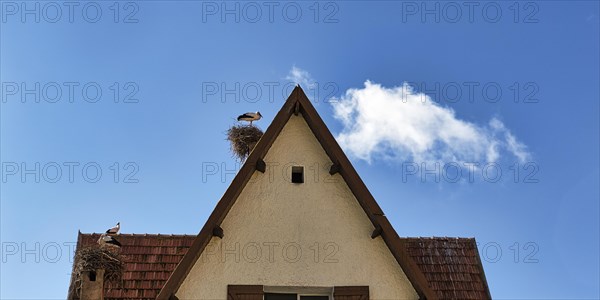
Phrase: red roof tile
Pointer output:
(451, 265)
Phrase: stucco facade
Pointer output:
(311, 234)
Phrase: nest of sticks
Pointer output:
(243, 138)
(90, 259)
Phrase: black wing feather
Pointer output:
(239, 118)
(114, 242)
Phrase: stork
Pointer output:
(107, 239)
(114, 230)
(250, 116)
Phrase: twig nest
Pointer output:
(243, 138)
(90, 259)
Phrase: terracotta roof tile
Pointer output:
(451, 265)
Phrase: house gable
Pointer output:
(279, 233)
(349, 193)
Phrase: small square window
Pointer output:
(297, 174)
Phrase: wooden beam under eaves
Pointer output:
(335, 168)
(261, 166)
(218, 231)
(376, 232)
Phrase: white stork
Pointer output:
(114, 230)
(250, 116)
(108, 240)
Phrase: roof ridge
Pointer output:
(142, 234)
(438, 237)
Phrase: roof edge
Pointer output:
(482, 274)
(71, 291)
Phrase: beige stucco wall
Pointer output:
(276, 217)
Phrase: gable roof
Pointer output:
(451, 265)
(296, 103)
(148, 261)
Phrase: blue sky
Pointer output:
(176, 66)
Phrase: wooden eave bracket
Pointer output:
(296, 108)
(261, 166)
(218, 231)
(377, 231)
(335, 168)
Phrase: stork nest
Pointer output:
(90, 259)
(243, 138)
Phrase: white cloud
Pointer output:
(301, 77)
(399, 123)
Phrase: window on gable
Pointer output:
(272, 296)
(259, 292)
(278, 296)
(298, 174)
(297, 293)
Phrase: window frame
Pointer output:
(299, 291)
(298, 171)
